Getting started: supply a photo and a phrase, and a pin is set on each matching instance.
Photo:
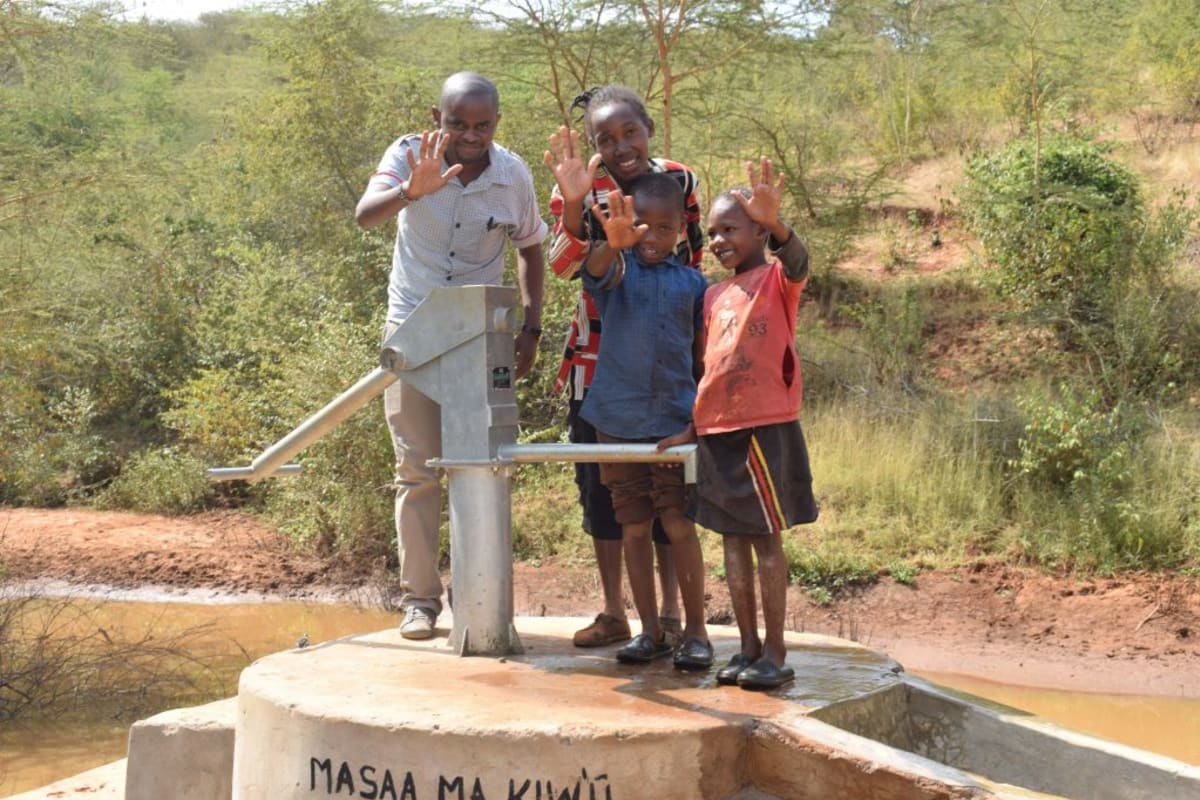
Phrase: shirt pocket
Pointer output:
(477, 245)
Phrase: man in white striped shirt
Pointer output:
(457, 197)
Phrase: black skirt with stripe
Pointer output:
(753, 481)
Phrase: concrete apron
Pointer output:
(376, 716)
(380, 716)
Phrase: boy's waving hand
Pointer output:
(766, 193)
(619, 221)
(621, 233)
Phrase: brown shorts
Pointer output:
(640, 490)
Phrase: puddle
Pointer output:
(1166, 725)
(33, 754)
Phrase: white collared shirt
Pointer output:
(456, 236)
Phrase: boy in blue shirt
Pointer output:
(651, 306)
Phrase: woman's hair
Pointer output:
(600, 96)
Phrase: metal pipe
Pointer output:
(538, 453)
(273, 460)
(481, 571)
(217, 474)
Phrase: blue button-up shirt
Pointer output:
(643, 387)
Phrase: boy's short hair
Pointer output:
(728, 194)
(661, 186)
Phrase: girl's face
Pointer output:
(622, 139)
(735, 239)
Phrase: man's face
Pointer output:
(470, 123)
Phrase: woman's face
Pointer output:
(622, 139)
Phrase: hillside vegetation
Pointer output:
(999, 333)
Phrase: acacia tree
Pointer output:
(657, 46)
(1166, 38)
(900, 45)
(695, 38)
(1041, 41)
(558, 47)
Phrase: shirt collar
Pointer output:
(499, 168)
(672, 260)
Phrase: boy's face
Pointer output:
(470, 121)
(622, 139)
(736, 240)
(664, 221)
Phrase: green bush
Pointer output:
(1101, 488)
(1074, 241)
(892, 327)
(1144, 351)
(1062, 222)
(825, 573)
(1072, 442)
(158, 482)
(339, 505)
(546, 520)
(51, 451)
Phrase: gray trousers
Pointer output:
(415, 423)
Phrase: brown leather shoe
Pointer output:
(605, 629)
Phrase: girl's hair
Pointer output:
(600, 96)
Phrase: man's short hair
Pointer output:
(468, 84)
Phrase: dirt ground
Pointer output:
(1132, 634)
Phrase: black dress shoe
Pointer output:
(694, 655)
(763, 674)
(643, 650)
(728, 674)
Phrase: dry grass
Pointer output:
(62, 656)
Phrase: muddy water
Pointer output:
(34, 755)
(1166, 725)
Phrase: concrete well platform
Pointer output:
(376, 716)
(380, 716)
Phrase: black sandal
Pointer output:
(763, 674)
(694, 655)
(643, 650)
(728, 674)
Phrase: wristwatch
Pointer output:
(403, 194)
